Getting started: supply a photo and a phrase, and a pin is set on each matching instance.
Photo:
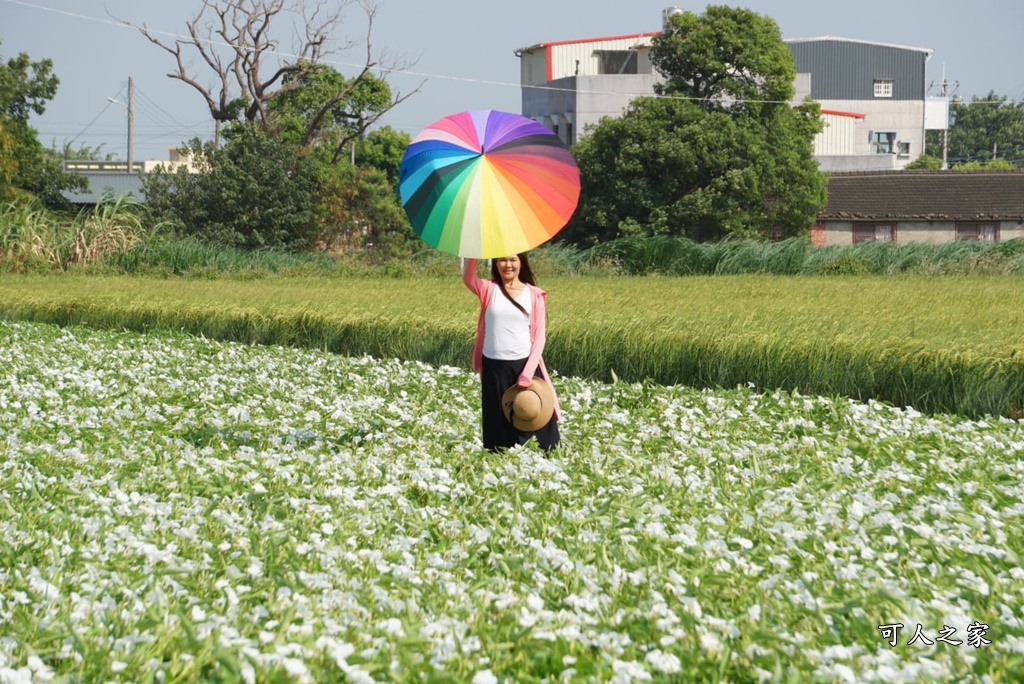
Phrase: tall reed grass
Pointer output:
(796, 256)
(189, 256)
(628, 256)
(34, 239)
(112, 237)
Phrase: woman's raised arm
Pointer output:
(469, 277)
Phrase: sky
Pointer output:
(459, 53)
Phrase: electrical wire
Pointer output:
(168, 126)
(384, 70)
(89, 125)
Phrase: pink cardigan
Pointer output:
(485, 289)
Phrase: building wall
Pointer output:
(602, 96)
(904, 117)
(858, 162)
(837, 233)
(581, 58)
(846, 70)
(802, 88)
(581, 101)
(533, 67)
(932, 232)
(554, 61)
(839, 136)
(1009, 230)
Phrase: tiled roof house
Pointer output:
(922, 206)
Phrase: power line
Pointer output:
(427, 75)
(163, 112)
(89, 125)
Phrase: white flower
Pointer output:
(626, 672)
(295, 667)
(485, 677)
(663, 662)
(392, 626)
(711, 643)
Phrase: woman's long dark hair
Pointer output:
(525, 275)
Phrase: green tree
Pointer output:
(253, 192)
(997, 163)
(984, 129)
(8, 166)
(720, 151)
(263, 190)
(383, 149)
(326, 108)
(303, 114)
(926, 162)
(81, 153)
(26, 87)
(27, 171)
(357, 208)
(727, 58)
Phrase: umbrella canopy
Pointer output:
(486, 184)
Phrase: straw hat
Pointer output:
(529, 408)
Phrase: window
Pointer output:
(883, 87)
(884, 142)
(874, 232)
(977, 231)
(617, 61)
(903, 149)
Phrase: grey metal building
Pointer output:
(883, 83)
(844, 69)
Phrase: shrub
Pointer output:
(846, 265)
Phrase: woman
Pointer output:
(510, 337)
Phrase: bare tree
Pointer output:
(233, 38)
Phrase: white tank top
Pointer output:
(506, 328)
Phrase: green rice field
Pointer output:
(937, 344)
(176, 509)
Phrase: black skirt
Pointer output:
(499, 433)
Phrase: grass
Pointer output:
(32, 239)
(796, 256)
(115, 237)
(938, 344)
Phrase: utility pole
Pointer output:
(945, 129)
(131, 119)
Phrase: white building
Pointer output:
(872, 95)
(569, 85)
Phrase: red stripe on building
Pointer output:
(835, 112)
(595, 40)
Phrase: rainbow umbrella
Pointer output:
(486, 184)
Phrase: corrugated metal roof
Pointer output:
(926, 195)
(624, 36)
(101, 182)
(854, 40)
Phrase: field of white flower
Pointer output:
(177, 509)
